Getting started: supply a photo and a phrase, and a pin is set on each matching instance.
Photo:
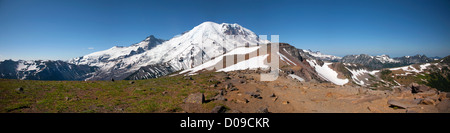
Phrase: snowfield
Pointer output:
(296, 77)
(251, 64)
(319, 55)
(360, 72)
(211, 63)
(285, 59)
(327, 73)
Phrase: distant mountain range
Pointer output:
(384, 61)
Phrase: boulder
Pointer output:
(428, 93)
(196, 98)
(131, 82)
(262, 110)
(428, 101)
(233, 111)
(242, 100)
(416, 88)
(219, 98)
(443, 95)
(403, 103)
(228, 86)
(219, 109)
(444, 106)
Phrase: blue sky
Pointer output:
(64, 29)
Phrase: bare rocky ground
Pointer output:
(210, 92)
(243, 92)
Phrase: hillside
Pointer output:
(231, 92)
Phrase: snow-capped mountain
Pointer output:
(322, 56)
(116, 53)
(185, 51)
(413, 59)
(384, 61)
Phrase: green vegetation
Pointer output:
(439, 80)
(163, 94)
(386, 76)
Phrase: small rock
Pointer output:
(262, 110)
(416, 88)
(427, 93)
(442, 96)
(164, 92)
(428, 101)
(285, 102)
(131, 82)
(241, 76)
(119, 109)
(196, 98)
(254, 95)
(213, 85)
(66, 98)
(228, 86)
(402, 103)
(223, 92)
(258, 90)
(219, 98)
(219, 109)
(233, 111)
(19, 90)
(273, 95)
(242, 100)
(188, 78)
(372, 109)
(234, 89)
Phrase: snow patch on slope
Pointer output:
(327, 73)
(296, 77)
(211, 63)
(285, 59)
(251, 64)
(319, 55)
(360, 72)
(385, 59)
